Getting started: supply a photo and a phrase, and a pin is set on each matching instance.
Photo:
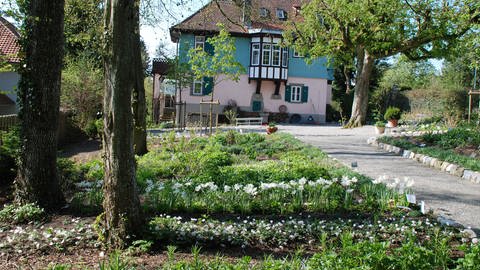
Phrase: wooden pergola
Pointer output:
(471, 93)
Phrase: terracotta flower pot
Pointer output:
(393, 122)
(271, 130)
(379, 130)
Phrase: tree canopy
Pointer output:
(355, 33)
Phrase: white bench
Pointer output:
(249, 121)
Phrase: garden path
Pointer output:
(447, 195)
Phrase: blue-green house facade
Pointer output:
(277, 81)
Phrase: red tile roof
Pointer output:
(9, 41)
(231, 15)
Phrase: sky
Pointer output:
(153, 35)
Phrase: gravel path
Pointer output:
(447, 195)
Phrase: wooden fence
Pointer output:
(8, 121)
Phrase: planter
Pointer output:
(271, 130)
(379, 130)
(393, 122)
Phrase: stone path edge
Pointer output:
(453, 169)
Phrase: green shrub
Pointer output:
(14, 213)
(392, 113)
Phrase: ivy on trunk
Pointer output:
(39, 94)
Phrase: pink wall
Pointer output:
(242, 92)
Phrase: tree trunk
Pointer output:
(39, 95)
(121, 203)
(139, 105)
(360, 96)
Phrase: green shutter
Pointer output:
(207, 85)
(256, 106)
(288, 93)
(208, 47)
(305, 94)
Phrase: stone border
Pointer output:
(453, 169)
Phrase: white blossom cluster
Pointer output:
(400, 185)
(289, 231)
(23, 238)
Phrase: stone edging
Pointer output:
(453, 169)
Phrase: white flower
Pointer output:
(226, 188)
(237, 187)
(250, 189)
(302, 181)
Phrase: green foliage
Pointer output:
(380, 124)
(17, 214)
(82, 91)
(115, 262)
(392, 113)
(222, 62)
(139, 247)
(9, 151)
(83, 30)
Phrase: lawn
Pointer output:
(239, 201)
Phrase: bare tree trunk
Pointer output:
(360, 96)
(121, 203)
(139, 105)
(39, 94)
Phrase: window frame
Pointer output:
(277, 52)
(196, 82)
(280, 13)
(296, 97)
(297, 54)
(263, 12)
(200, 42)
(253, 54)
(285, 54)
(269, 50)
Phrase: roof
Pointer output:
(231, 15)
(9, 41)
(160, 66)
(5, 100)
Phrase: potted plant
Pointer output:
(392, 115)
(271, 128)
(379, 127)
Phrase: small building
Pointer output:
(278, 80)
(9, 49)
(163, 103)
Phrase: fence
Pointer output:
(8, 121)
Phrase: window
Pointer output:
(285, 57)
(197, 87)
(296, 94)
(297, 54)
(266, 54)
(276, 55)
(281, 14)
(200, 42)
(263, 12)
(255, 54)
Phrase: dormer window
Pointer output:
(263, 12)
(281, 14)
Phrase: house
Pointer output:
(163, 99)
(277, 80)
(9, 49)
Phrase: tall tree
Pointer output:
(139, 105)
(39, 93)
(121, 203)
(356, 33)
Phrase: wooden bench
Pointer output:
(249, 121)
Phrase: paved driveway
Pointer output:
(447, 195)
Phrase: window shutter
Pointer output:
(208, 47)
(192, 85)
(305, 94)
(288, 93)
(207, 85)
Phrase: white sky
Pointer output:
(154, 35)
